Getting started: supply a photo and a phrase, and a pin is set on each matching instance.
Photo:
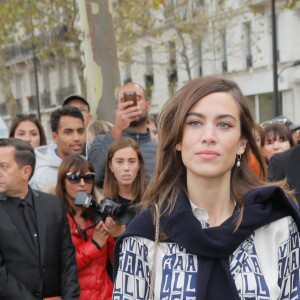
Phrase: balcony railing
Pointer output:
(249, 61)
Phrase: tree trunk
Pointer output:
(101, 62)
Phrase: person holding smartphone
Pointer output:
(131, 121)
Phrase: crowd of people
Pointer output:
(202, 205)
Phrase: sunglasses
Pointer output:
(276, 121)
(26, 116)
(75, 178)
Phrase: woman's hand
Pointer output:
(100, 234)
(113, 228)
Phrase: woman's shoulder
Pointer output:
(279, 231)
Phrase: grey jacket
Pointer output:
(46, 168)
(99, 150)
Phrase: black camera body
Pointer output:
(106, 207)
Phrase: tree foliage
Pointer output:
(48, 26)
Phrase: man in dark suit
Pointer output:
(37, 257)
(287, 165)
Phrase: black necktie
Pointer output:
(30, 222)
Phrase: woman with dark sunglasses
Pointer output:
(93, 243)
(29, 129)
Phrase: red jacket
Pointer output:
(94, 280)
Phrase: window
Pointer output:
(61, 73)
(127, 72)
(3, 109)
(248, 44)
(45, 96)
(172, 72)
(149, 60)
(46, 78)
(70, 73)
(149, 77)
(32, 83)
(224, 54)
(265, 107)
(18, 86)
(199, 58)
(172, 62)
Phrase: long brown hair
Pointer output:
(76, 163)
(111, 186)
(33, 119)
(169, 177)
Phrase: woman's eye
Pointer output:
(224, 125)
(194, 123)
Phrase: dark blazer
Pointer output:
(287, 165)
(24, 274)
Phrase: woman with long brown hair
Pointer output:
(211, 228)
(92, 242)
(124, 180)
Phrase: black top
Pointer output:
(130, 204)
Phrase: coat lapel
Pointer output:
(41, 221)
(10, 208)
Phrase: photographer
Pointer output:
(93, 243)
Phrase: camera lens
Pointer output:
(121, 215)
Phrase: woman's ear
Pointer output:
(242, 146)
(178, 147)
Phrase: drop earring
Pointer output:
(238, 160)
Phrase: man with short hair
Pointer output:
(68, 133)
(37, 257)
(82, 104)
(130, 121)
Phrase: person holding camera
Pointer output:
(92, 242)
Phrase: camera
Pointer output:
(106, 207)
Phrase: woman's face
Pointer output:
(274, 145)
(125, 166)
(211, 137)
(153, 130)
(76, 184)
(28, 132)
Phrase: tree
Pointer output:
(100, 56)
(47, 26)
(184, 20)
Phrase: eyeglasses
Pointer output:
(26, 116)
(75, 178)
(276, 121)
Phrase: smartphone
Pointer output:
(130, 96)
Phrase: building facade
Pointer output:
(234, 41)
(192, 38)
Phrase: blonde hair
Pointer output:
(95, 128)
